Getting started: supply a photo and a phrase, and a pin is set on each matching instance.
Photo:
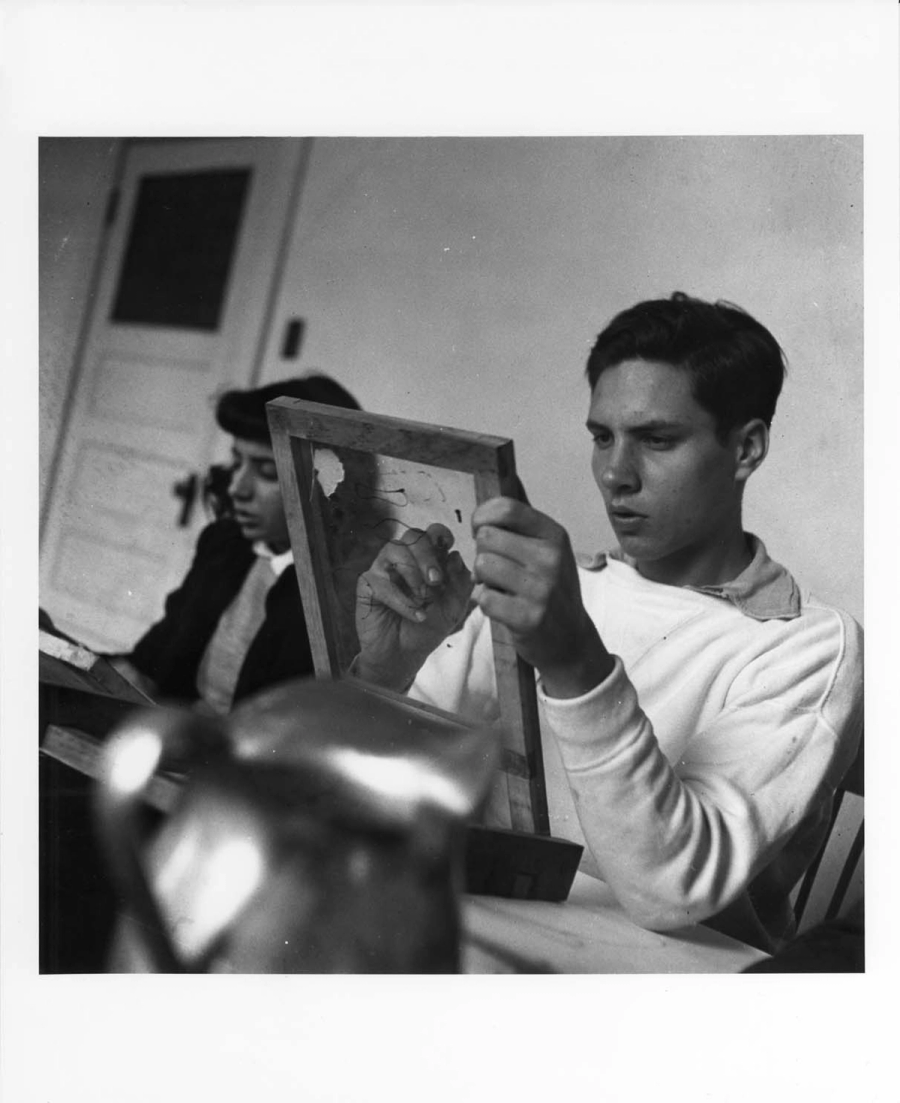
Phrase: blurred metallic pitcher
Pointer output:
(320, 829)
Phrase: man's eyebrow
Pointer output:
(653, 425)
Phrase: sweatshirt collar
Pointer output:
(764, 590)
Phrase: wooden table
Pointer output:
(588, 933)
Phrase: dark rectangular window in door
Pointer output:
(180, 249)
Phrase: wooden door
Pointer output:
(183, 301)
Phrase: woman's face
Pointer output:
(256, 493)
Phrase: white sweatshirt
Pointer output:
(700, 773)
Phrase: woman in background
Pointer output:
(235, 625)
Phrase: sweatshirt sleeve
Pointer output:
(458, 676)
(679, 841)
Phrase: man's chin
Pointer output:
(640, 549)
(634, 545)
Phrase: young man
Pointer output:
(235, 624)
(697, 709)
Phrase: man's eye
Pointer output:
(601, 439)
(658, 443)
(268, 471)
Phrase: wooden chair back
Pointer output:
(834, 882)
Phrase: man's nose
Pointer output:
(620, 472)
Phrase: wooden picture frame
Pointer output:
(331, 466)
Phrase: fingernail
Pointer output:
(419, 615)
(434, 575)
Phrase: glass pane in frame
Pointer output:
(350, 481)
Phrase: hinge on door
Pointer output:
(112, 206)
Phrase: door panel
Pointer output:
(184, 296)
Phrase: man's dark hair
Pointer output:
(243, 413)
(736, 366)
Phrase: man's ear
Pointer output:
(751, 445)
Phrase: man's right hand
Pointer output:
(415, 594)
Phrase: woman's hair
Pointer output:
(243, 413)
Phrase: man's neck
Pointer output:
(715, 566)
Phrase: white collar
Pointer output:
(278, 563)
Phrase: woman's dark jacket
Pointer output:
(171, 651)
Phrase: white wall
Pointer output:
(75, 178)
(463, 281)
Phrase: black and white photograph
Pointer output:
(452, 539)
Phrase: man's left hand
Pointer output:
(527, 580)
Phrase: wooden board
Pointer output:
(81, 752)
(518, 865)
(351, 479)
(94, 713)
(70, 665)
